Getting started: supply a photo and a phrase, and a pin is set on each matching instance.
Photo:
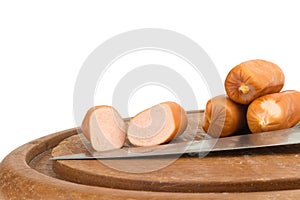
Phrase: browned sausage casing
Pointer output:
(157, 125)
(252, 79)
(223, 117)
(274, 111)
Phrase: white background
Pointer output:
(44, 43)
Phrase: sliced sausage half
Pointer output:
(104, 128)
(157, 125)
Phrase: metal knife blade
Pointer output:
(266, 139)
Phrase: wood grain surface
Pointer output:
(267, 173)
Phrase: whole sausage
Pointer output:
(274, 111)
(156, 125)
(104, 128)
(252, 79)
(223, 117)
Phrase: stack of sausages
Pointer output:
(253, 102)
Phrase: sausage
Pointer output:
(223, 117)
(274, 111)
(157, 125)
(252, 79)
(104, 128)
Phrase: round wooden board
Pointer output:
(27, 173)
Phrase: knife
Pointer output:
(266, 139)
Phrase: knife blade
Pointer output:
(266, 139)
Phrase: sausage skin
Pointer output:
(252, 79)
(104, 128)
(223, 117)
(274, 111)
(157, 125)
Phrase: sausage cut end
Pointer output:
(104, 128)
(157, 125)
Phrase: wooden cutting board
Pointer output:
(266, 173)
